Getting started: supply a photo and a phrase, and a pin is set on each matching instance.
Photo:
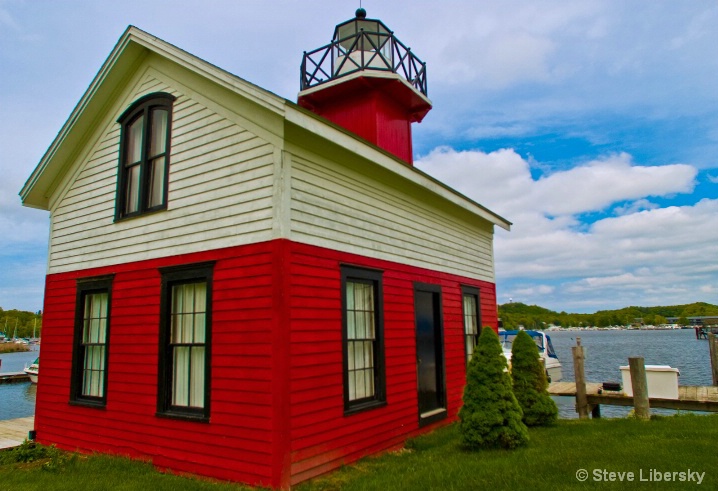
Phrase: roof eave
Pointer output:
(303, 117)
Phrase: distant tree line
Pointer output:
(24, 321)
(534, 317)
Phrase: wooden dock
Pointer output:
(13, 377)
(690, 398)
(15, 431)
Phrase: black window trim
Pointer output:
(362, 274)
(177, 275)
(143, 105)
(474, 291)
(87, 286)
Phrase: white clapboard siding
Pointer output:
(333, 206)
(220, 194)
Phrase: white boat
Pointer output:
(545, 348)
(33, 370)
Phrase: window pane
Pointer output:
(157, 182)
(199, 327)
(102, 301)
(134, 141)
(360, 384)
(351, 390)
(101, 373)
(368, 354)
(350, 296)
(470, 317)
(187, 317)
(351, 324)
(176, 329)
(358, 354)
(197, 377)
(94, 331)
(368, 292)
(369, 320)
(200, 297)
(158, 141)
(360, 325)
(87, 363)
(351, 364)
(177, 308)
(471, 321)
(132, 194)
(180, 376)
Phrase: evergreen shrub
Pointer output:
(530, 383)
(490, 416)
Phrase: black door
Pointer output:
(429, 353)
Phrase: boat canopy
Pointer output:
(542, 340)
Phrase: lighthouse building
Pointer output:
(248, 288)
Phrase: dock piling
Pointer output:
(640, 387)
(580, 377)
(713, 347)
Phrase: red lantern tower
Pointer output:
(368, 82)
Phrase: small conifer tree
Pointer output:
(490, 416)
(530, 383)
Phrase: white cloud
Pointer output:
(533, 291)
(598, 184)
(647, 253)
(590, 187)
(634, 207)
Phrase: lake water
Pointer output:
(605, 351)
(17, 400)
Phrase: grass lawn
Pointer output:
(550, 462)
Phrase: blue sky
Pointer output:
(592, 126)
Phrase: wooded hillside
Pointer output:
(24, 321)
(535, 317)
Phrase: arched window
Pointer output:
(144, 155)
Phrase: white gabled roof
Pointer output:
(131, 49)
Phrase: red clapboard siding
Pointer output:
(322, 437)
(277, 408)
(237, 443)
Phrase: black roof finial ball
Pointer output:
(361, 13)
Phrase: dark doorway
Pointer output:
(429, 353)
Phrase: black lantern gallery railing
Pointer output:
(375, 49)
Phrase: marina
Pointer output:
(605, 352)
